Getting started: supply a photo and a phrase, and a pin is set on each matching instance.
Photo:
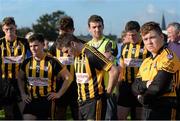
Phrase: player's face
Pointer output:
(132, 36)
(36, 48)
(172, 33)
(68, 51)
(153, 41)
(10, 31)
(96, 29)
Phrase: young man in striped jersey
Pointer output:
(66, 25)
(39, 79)
(132, 55)
(13, 50)
(90, 66)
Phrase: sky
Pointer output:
(116, 13)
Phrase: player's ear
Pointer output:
(73, 44)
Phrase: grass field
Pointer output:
(1, 114)
(69, 117)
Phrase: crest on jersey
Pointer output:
(170, 56)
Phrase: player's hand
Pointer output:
(26, 98)
(52, 96)
(148, 83)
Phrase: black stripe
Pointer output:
(37, 75)
(30, 72)
(6, 65)
(141, 47)
(133, 52)
(132, 74)
(45, 76)
(126, 52)
(52, 78)
(13, 70)
(80, 93)
(95, 84)
(68, 67)
(87, 91)
(126, 74)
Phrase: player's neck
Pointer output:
(40, 56)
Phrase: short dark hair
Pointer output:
(95, 18)
(36, 37)
(65, 23)
(8, 21)
(132, 25)
(149, 26)
(64, 40)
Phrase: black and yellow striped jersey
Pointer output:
(64, 59)
(165, 61)
(89, 68)
(132, 55)
(12, 55)
(100, 46)
(41, 75)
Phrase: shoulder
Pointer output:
(169, 61)
(89, 42)
(27, 60)
(22, 40)
(146, 61)
(89, 48)
(52, 59)
(2, 39)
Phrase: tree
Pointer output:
(23, 31)
(47, 24)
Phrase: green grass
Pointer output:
(2, 116)
(69, 117)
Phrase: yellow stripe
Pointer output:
(91, 81)
(130, 52)
(34, 64)
(98, 109)
(57, 53)
(124, 50)
(49, 78)
(173, 114)
(78, 66)
(137, 51)
(101, 57)
(97, 54)
(53, 108)
(3, 65)
(41, 88)
(9, 65)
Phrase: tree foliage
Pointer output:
(23, 31)
(1, 31)
(47, 24)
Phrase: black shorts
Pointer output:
(40, 107)
(69, 97)
(126, 97)
(9, 91)
(93, 109)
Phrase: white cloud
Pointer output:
(171, 11)
(151, 9)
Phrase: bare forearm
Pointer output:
(64, 87)
(21, 82)
(113, 79)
